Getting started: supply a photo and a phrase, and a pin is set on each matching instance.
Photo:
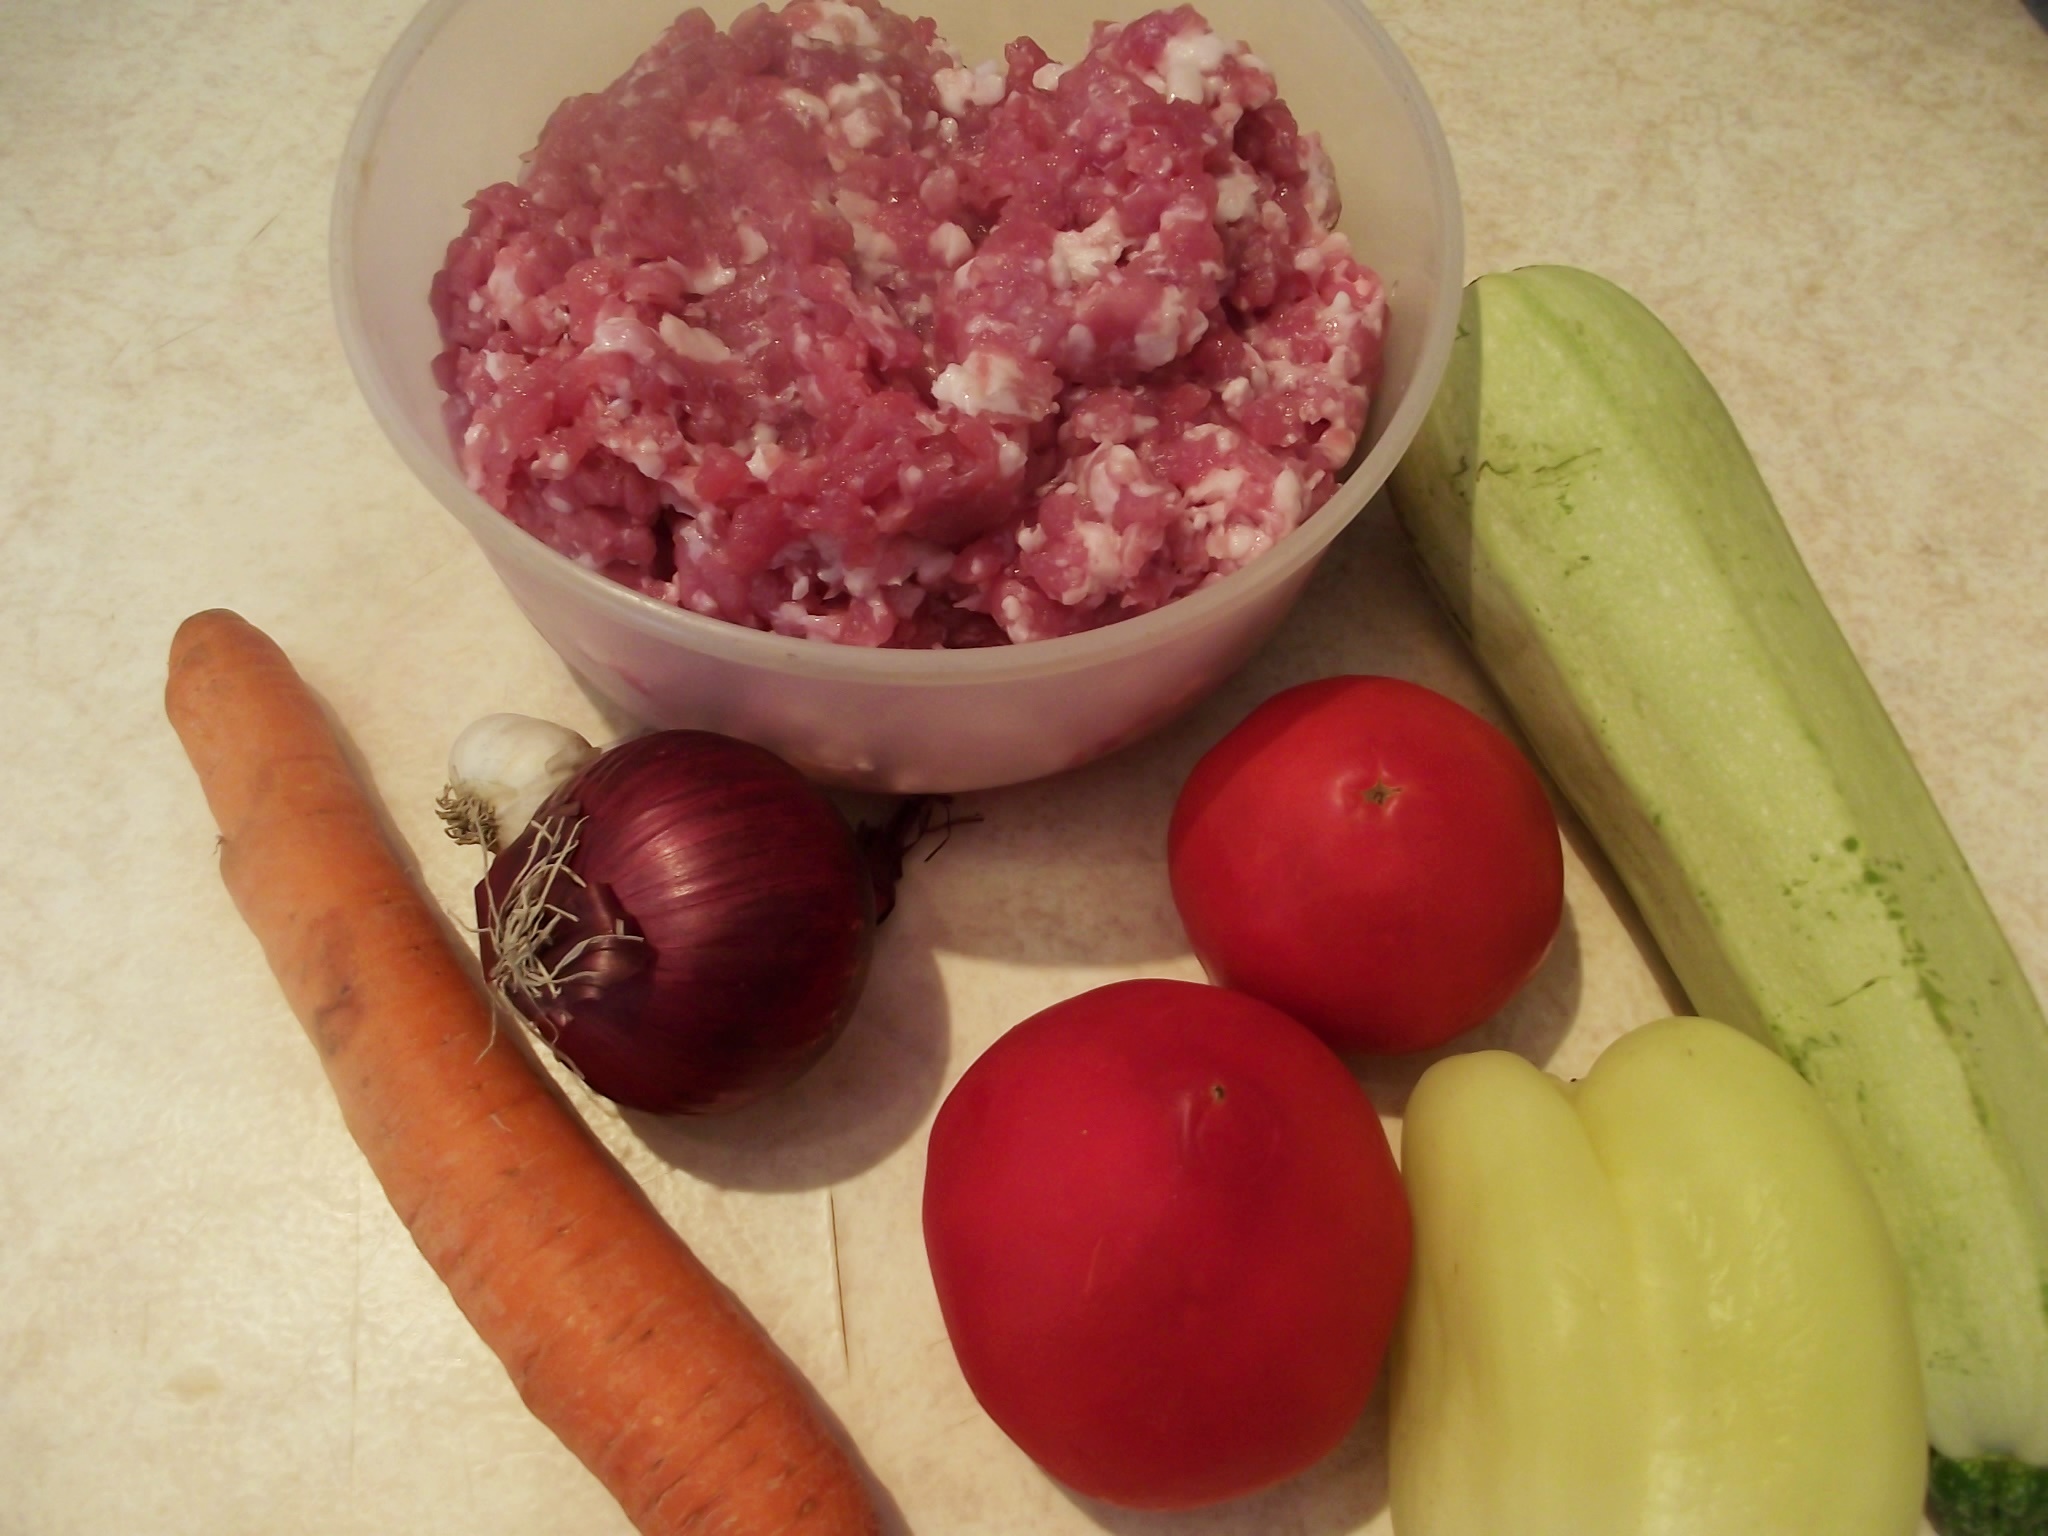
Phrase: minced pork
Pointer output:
(811, 327)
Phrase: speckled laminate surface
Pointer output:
(210, 1321)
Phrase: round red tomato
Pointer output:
(1169, 1242)
(1371, 858)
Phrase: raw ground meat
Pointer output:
(810, 327)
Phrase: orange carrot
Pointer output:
(617, 1337)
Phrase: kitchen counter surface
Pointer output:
(212, 1321)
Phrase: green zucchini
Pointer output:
(1589, 514)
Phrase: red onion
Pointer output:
(687, 921)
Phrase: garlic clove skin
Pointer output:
(509, 764)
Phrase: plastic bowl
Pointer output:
(466, 91)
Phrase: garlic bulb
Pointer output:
(500, 770)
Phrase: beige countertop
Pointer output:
(209, 1319)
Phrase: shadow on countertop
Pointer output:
(868, 1096)
(1344, 1490)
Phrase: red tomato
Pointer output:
(1371, 858)
(1168, 1240)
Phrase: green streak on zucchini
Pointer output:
(1595, 525)
(1990, 1496)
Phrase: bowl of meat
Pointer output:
(941, 398)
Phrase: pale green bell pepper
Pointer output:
(1658, 1302)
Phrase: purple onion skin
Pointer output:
(752, 908)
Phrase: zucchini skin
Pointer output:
(1990, 1496)
(1591, 518)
